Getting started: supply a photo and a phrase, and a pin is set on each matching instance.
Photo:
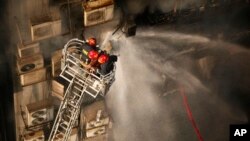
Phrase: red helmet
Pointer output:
(92, 41)
(93, 54)
(103, 58)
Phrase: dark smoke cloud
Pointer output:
(138, 6)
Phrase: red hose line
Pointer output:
(189, 113)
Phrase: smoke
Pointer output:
(144, 100)
(138, 6)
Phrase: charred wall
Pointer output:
(7, 126)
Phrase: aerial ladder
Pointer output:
(82, 82)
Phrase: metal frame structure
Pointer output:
(82, 82)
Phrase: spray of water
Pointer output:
(139, 101)
(107, 38)
(135, 93)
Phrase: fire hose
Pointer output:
(189, 113)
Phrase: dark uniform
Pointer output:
(85, 50)
(108, 66)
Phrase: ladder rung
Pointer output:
(83, 82)
(72, 69)
(93, 88)
(67, 114)
(65, 78)
(71, 97)
(90, 93)
(68, 72)
(74, 101)
(90, 80)
(71, 104)
(67, 117)
(65, 122)
(79, 84)
(77, 88)
(59, 132)
(79, 78)
(65, 128)
(71, 111)
(76, 94)
(70, 60)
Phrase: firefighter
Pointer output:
(92, 42)
(95, 59)
(107, 65)
(89, 53)
(96, 63)
(91, 45)
(105, 62)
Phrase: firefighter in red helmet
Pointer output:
(97, 62)
(89, 53)
(107, 64)
(95, 59)
(91, 42)
(103, 58)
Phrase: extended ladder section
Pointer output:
(69, 110)
(81, 83)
